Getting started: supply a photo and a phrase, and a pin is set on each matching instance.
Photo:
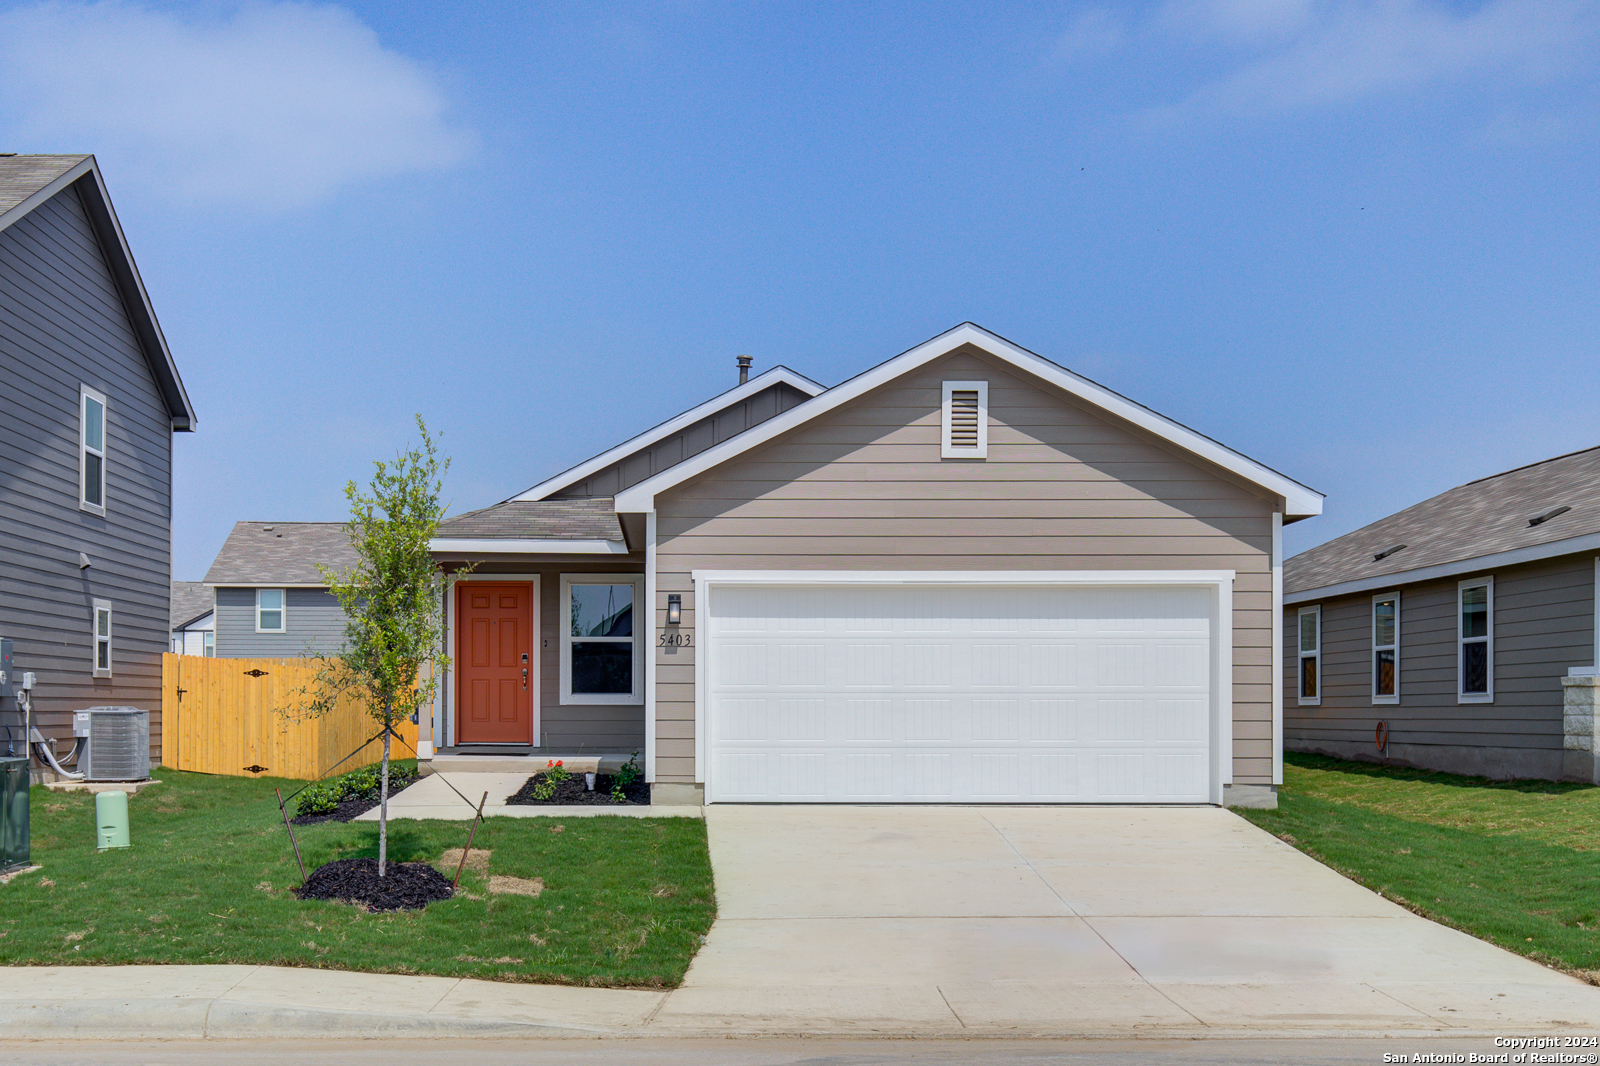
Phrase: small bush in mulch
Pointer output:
(339, 799)
(404, 886)
(571, 791)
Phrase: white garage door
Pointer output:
(958, 694)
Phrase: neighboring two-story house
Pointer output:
(92, 400)
(271, 600)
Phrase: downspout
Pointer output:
(1277, 647)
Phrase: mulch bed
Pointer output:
(572, 792)
(405, 886)
(347, 810)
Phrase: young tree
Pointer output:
(393, 600)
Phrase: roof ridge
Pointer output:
(1525, 466)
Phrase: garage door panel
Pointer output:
(1025, 694)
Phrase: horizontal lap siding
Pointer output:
(314, 623)
(1064, 488)
(1543, 624)
(62, 325)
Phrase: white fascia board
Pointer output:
(1587, 543)
(526, 546)
(963, 577)
(1300, 501)
(777, 375)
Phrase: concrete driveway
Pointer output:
(1087, 920)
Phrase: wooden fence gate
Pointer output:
(221, 716)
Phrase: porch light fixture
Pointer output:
(674, 608)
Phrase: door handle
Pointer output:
(524, 677)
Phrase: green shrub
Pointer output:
(325, 796)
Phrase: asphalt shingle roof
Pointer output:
(281, 553)
(190, 600)
(585, 519)
(23, 175)
(1482, 517)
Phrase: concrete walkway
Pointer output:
(433, 797)
(926, 921)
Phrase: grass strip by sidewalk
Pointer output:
(626, 901)
(1473, 854)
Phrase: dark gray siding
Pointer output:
(1543, 624)
(62, 324)
(314, 623)
(687, 442)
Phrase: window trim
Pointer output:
(283, 610)
(208, 644)
(1393, 698)
(1302, 654)
(95, 639)
(641, 633)
(1487, 639)
(947, 450)
(85, 394)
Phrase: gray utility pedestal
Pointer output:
(1580, 726)
(13, 812)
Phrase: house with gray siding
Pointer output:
(194, 619)
(93, 398)
(271, 600)
(1458, 634)
(966, 575)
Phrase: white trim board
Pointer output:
(1533, 553)
(777, 375)
(1300, 501)
(526, 546)
(1219, 581)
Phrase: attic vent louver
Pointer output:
(1541, 519)
(966, 420)
(1387, 552)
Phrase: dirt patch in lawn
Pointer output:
(502, 885)
(405, 886)
(478, 861)
(572, 792)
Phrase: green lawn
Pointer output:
(627, 901)
(1516, 863)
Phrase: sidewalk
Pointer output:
(432, 797)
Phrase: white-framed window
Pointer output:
(1475, 640)
(92, 450)
(101, 632)
(602, 638)
(964, 431)
(1386, 648)
(272, 613)
(1309, 683)
(210, 651)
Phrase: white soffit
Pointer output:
(666, 429)
(1300, 501)
(527, 546)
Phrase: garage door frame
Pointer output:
(1218, 582)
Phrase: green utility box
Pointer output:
(13, 812)
(111, 820)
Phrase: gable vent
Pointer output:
(965, 420)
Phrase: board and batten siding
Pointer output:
(1544, 615)
(611, 729)
(1065, 487)
(63, 325)
(687, 442)
(314, 622)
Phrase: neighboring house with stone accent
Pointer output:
(271, 600)
(966, 575)
(1458, 634)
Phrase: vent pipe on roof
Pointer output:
(1539, 520)
(744, 369)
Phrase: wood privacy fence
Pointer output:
(221, 716)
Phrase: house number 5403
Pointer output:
(675, 640)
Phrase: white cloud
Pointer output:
(275, 105)
(1351, 51)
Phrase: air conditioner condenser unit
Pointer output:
(119, 744)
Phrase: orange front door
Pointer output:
(494, 663)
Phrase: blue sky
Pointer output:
(1355, 241)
